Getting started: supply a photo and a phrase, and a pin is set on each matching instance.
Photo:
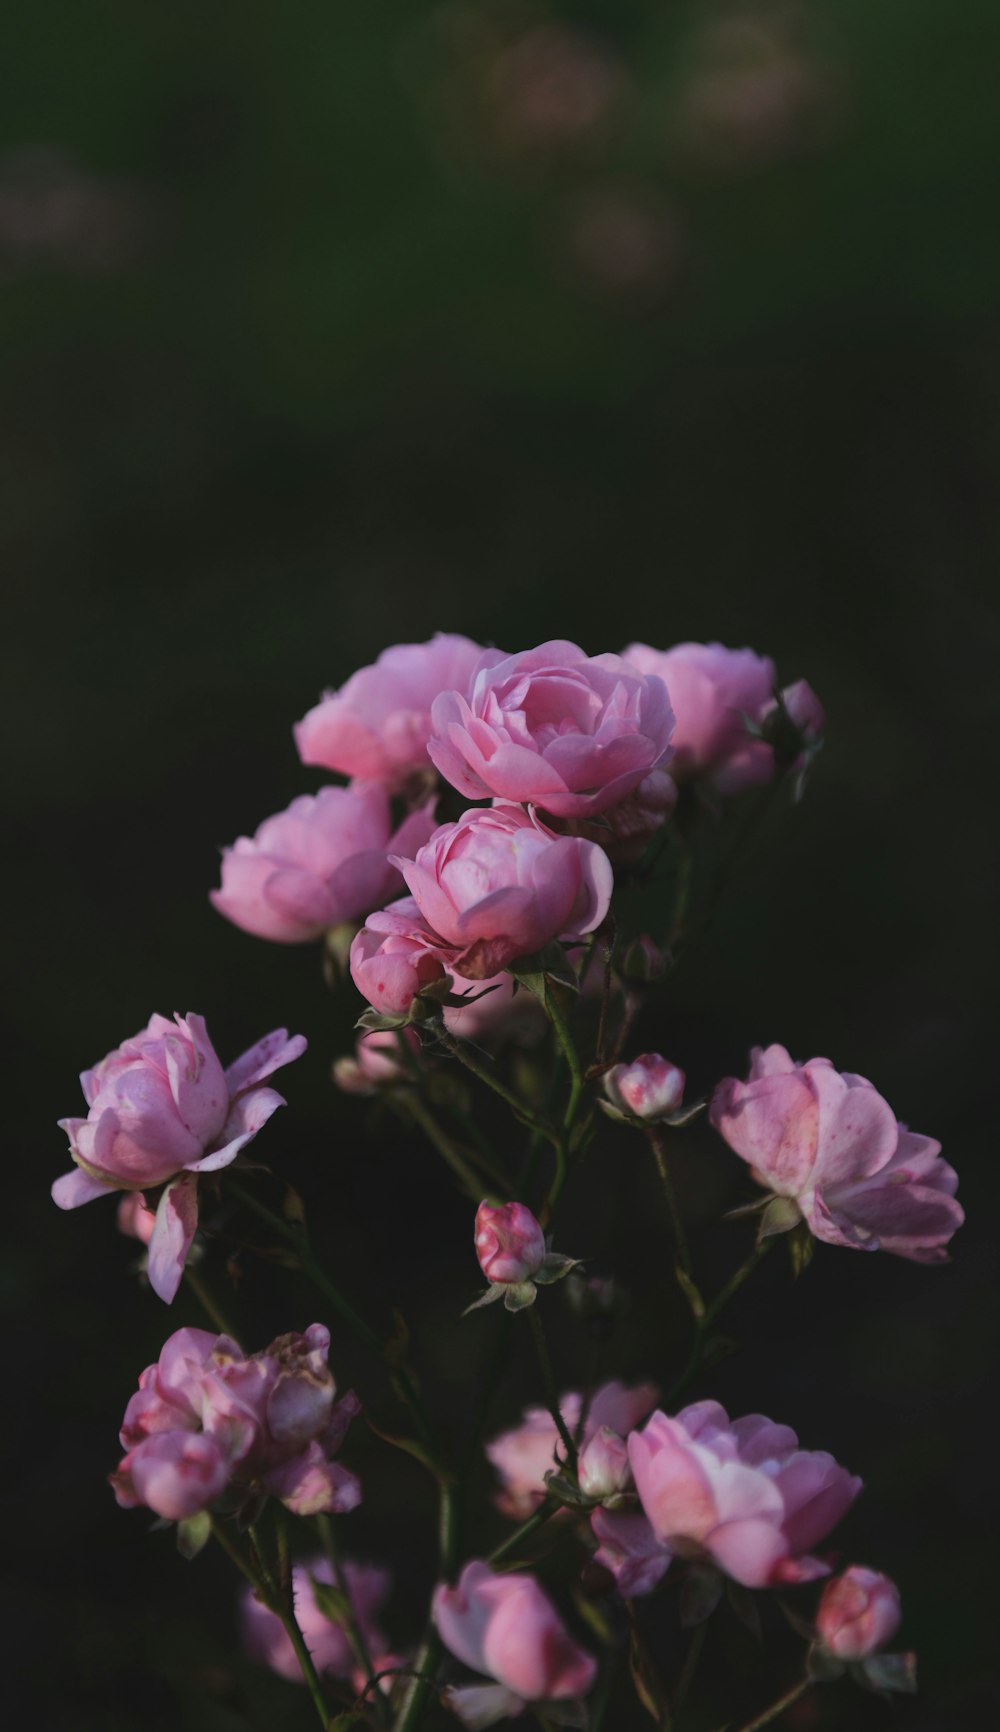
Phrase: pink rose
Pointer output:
(649, 1088)
(858, 1613)
(162, 1109)
(712, 689)
(395, 957)
(266, 1639)
(323, 861)
(552, 727)
(740, 1495)
(506, 1627)
(378, 724)
(510, 1243)
(832, 1147)
(523, 1455)
(629, 1549)
(377, 1063)
(207, 1418)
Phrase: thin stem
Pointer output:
(658, 1147)
(472, 1181)
(460, 1050)
(549, 1382)
(283, 1607)
(352, 1627)
(778, 1707)
(714, 1310)
(208, 1304)
(723, 873)
(602, 1026)
(545, 1511)
(233, 1552)
(569, 1053)
(422, 1681)
(690, 1666)
(682, 896)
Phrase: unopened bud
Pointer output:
(603, 1470)
(858, 1613)
(510, 1243)
(649, 1089)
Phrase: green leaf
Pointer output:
(701, 1591)
(801, 1246)
(493, 1292)
(883, 1672)
(822, 1667)
(193, 1534)
(781, 1215)
(519, 1296)
(409, 1445)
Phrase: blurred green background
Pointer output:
(326, 327)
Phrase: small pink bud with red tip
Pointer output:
(858, 1613)
(514, 1256)
(603, 1471)
(648, 1089)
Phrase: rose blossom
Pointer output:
(832, 1147)
(506, 1627)
(523, 1455)
(738, 1494)
(323, 861)
(267, 1641)
(377, 1062)
(161, 1109)
(552, 727)
(206, 1418)
(714, 691)
(858, 1613)
(378, 724)
(510, 1243)
(649, 1088)
(496, 885)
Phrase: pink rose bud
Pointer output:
(377, 1062)
(714, 692)
(650, 1088)
(161, 1110)
(378, 724)
(738, 1494)
(266, 1639)
(323, 862)
(603, 1470)
(553, 728)
(506, 1627)
(858, 1613)
(525, 1454)
(510, 1243)
(831, 1148)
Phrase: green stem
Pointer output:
(658, 1147)
(778, 1707)
(712, 1311)
(682, 896)
(352, 1627)
(208, 1304)
(423, 1680)
(283, 1607)
(460, 1050)
(549, 1382)
(317, 1275)
(545, 1511)
(569, 1053)
(720, 881)
(689, 1667)
(472, 1181)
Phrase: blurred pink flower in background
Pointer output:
(377, 725)
(711, 689)
(267, 1641)
(526, 1453)
(570, 733)
(830, 1146)
(161, 1108)
(506, 1627)
(739, 1494)
(552, 87)
(377, 1061)
(496, 1011)
(206, 1418)
(323, 861)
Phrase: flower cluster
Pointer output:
(208, 1420)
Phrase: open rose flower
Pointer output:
(553, 728)
(496, 885)
(740, 1495)
(162, 1111)
(323, 861)
(207, 1420)
(830, 1148)
(267, 1641)
(378, 724)
(526, 1453)
(506, 1627)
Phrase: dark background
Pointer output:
(326, 327)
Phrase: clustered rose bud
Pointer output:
(830, 1148)
(161, 1110)
(649, 1088)
(208, 1420)
(603, 1470)
(506, 1627)
(494, 886)
(553, 728)
(859, 1612)
(525, 1454)
(514, 1256)
(323, 862)
(268, 1642)
(739, 1495)
(378, 724)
